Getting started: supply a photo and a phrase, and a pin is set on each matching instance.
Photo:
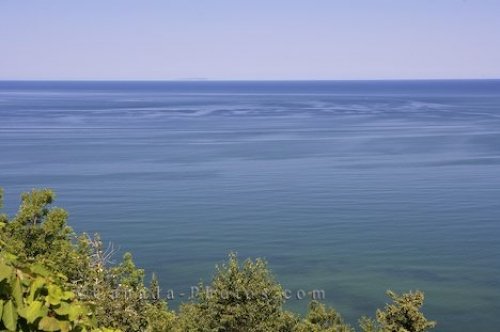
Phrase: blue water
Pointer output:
(350, 187)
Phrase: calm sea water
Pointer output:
(349, 187)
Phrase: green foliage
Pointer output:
(3, 217)
(117, 292)
(403, 315)
(323, 318)
(60, 282)
(34, 299)
(369, 325)
(240, 298)
(40, 233)
(159, 317)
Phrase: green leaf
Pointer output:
(65, 326)
(63, 309)
(5, 270)
(37, 285)
(55, 291)
(35, 310)
(40, 270)
(55, 294)
(76, 311)
(52, 300)
(67, 295)
(17, 293)
(9, 316)
(49, 324)
(22, 312)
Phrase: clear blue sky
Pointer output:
(249, 39)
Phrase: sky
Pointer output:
(249, 39)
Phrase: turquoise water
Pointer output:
(349, 187)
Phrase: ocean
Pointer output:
(351, 187)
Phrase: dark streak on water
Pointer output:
(351, 187)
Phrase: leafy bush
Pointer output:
(241, 297)
(322, 318)
(403, 315)
(34, 299)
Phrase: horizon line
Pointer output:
(247, 80)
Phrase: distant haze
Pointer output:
(258, 39)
